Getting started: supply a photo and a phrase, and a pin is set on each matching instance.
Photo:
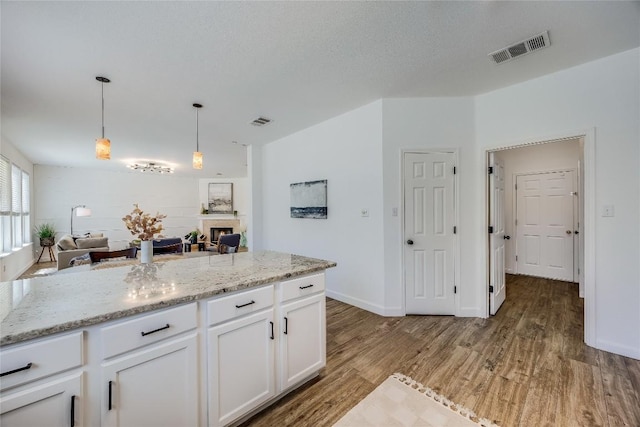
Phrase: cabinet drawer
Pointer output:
(301, 286)
(150, 328)
(44, 358)
(239, 304)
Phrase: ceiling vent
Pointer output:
(536, 42)
(261, 121)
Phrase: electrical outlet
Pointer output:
(394, 212)
(608, 211)
(364, 212)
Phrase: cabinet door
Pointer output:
(157, 386)
(51, 403)
(241, 366)
(303, 339)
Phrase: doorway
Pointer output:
(542, 206)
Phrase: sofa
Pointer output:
(70, 247)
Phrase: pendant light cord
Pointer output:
(102, 110)
(197, 132)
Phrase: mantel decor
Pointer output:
(144, 227)
(220, 198)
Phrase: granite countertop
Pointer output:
(32, 308)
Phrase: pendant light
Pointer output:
(103, 145)
(197, 155)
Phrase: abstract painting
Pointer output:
(220, 198)
(309, 199)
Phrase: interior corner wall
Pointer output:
(110, 195)
(14, 264)
(603, 95)
(430, 124)
(347, 152)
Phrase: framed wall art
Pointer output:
(220, 198)
(309, 199)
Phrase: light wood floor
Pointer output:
(526, 366)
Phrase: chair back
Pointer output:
(228, 241)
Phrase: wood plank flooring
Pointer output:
(526, 366)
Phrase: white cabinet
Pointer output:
(241, 353)
(241, 366)
(48, 402)
(303, 339)
(33, 389)
(154, 379)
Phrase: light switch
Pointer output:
(608, 210)
(394, 212)
(364, 212)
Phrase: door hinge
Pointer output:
(455, 229)
(455, 289)
(490, 170)
(516, 222)
(491, 229)
(516, 257)
(454, 170)
(491, 289)
(578, 270)
(516, 186)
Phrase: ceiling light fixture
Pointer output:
(151, 168)
(197, 155)
(103, 145)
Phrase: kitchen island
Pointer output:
(199, 341)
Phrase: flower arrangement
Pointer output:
(143, 225)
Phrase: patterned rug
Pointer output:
(401, 401)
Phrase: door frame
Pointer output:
(576, 217)
(587, 223)
(456, 218)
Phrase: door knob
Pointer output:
(576, 232)
(409, 242)
(507, 237)
(569, 232)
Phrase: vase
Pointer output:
(146, 251)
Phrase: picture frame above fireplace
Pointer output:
(220, 198)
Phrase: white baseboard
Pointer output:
(468, 312)
(365, 305)
(622, 350)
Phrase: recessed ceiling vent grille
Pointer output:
(536, 42)
(261, 121)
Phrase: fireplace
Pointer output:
(217, 231)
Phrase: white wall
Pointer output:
(429, 124)
(110, 195)
(346, 151)
(555, 156)
(604, 95)
(14, 264)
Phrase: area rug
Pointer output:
(401, 401)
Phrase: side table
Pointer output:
(188, 246)
(52, 257)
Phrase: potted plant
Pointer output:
(47, 234)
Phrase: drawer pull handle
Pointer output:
(110, 394)
(272, 335)
(244, 305)
(144, 334)
(73, 410)
(306, 287)
(24, 368)
(286, 325)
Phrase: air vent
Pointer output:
(261, 121)
(524, 47)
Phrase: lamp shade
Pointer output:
(197, 160)
(103, 149)
(83, 212)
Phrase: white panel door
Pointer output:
(544, 225)
(429, 233)
(498, 290)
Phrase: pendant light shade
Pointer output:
(197, 155)
(103, 145)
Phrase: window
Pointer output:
(15, 216)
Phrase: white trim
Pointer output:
(588, 234)
(456, 243)
(365, 305)
(611, 347)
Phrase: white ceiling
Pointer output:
(298, 63)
